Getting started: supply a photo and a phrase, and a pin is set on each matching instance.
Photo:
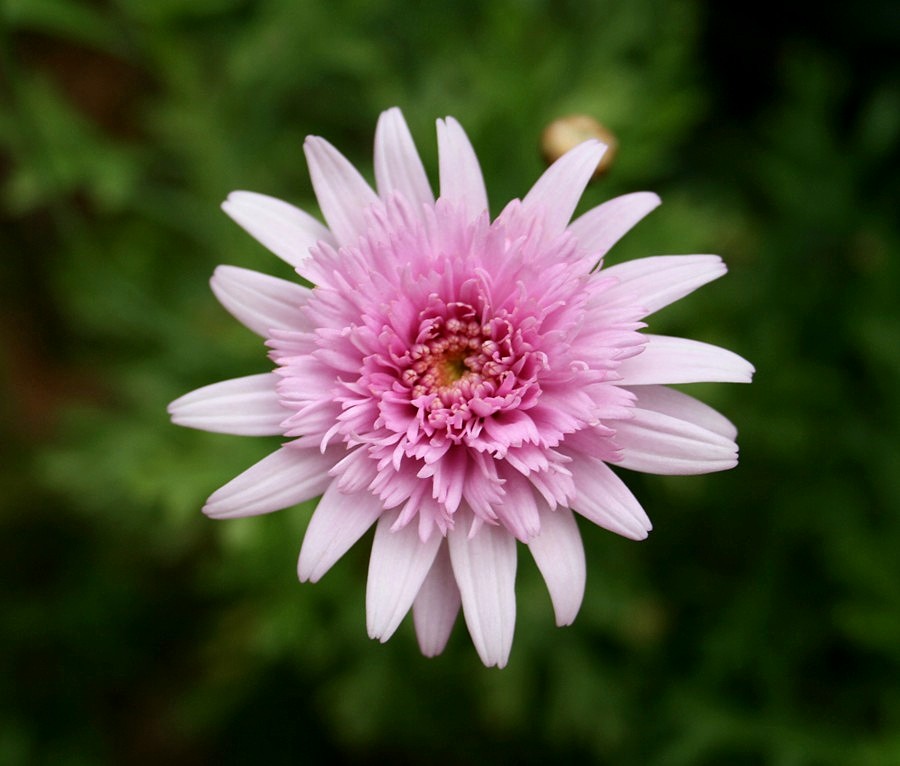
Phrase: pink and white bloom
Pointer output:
(460, 382)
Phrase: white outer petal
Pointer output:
(436, 605)
(288, 476)
(284, 229)
(556, 193)
(559, 555)
(679, 405)
(261, 302)
(337, 523)
(602, 498)
(654, 442)
(398, 167)
(601, 227)
(460, 173)
(398, 565)
(663, 279)
(245, 406)
(485, 569)
(342, 192)
(666, 360)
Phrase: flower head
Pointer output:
(460, 382)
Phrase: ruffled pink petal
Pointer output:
(398, 565)
(653, 442)
(342, 192)
(559, 555)
(668, 360)
(284, 478)
(658, 281)
(284, 229)
(436, 605)
(485, 569)
(600, 228)
(260, 302)
(398, 167)
(602, 498)
(245, 406)
(555, 195)
(668, 401)
(337, 523)
(518, 511)
(460, 173)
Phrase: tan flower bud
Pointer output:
(567, 132)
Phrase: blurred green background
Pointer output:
(759, 624)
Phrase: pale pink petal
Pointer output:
(460, 173)
(260, 302)
(284, 229)
(555, 195)
(559, 555)
(436, 605)
(284, 478)
(603, 498)
(668, 401)
(600, 228)
(663, 279)
(668, 360)
(397, 567)
(398, 167)
(337, 523)
(485, 569)
(657, 443)
(518, 510)
(246, 406)
(342, 192)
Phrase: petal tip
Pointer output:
(307, 567)
(309, 570)
(212, 509)
(652, 200)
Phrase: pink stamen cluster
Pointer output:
(461, 371)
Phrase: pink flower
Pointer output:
(459, 382)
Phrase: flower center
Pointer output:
(448, 362)
(452, 369)
(464, 368)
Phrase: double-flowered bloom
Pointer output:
(460, 382)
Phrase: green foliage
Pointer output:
(760, 623)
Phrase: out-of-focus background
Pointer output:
(759, 624)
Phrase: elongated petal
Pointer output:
(436, 605)
(485, 569)
(246, 406)
(657, 443)
(342, 192)
(398, 167)
(658, 281)
(397, 567)
(668, 401)
(284, 229)
(559, 555)
(338, 522)
(519, 509)
(678, 360)
(260, 302)
(284, 478)
(601, 227)
(603, 498)
(555, 195)
(460, 173)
